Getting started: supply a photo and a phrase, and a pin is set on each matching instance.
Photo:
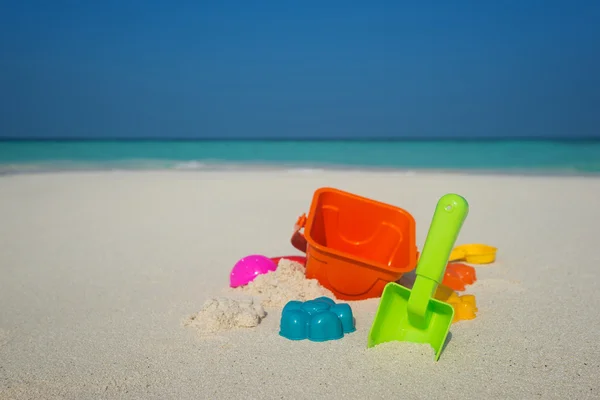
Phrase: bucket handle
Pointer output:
(298, 240)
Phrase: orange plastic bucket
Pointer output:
(354, 246)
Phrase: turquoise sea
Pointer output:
(502, 155)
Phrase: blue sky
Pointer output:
(281, 69)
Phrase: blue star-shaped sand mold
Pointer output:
(317, 320)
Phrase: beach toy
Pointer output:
(474, 253)
(458, 275)
(317, 320)
(414, 315)
(464, 306)
(298, 239)
(248, 268)
(298, 259)
(354, 246)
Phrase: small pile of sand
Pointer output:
(274, 289)
(286, 283)
(220, 314)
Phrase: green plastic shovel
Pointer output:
(414, 315)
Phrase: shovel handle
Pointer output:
(450, 213)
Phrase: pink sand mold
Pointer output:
(248, 268)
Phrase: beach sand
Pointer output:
(98, 270)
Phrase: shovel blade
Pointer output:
(393, 322)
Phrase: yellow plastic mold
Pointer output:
(474, 253)
(465, 306)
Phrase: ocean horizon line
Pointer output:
(574, 139)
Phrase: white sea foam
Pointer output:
(220, 165)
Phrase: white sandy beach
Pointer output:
(97, 271)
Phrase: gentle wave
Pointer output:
(152, 165)
(298, 168)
